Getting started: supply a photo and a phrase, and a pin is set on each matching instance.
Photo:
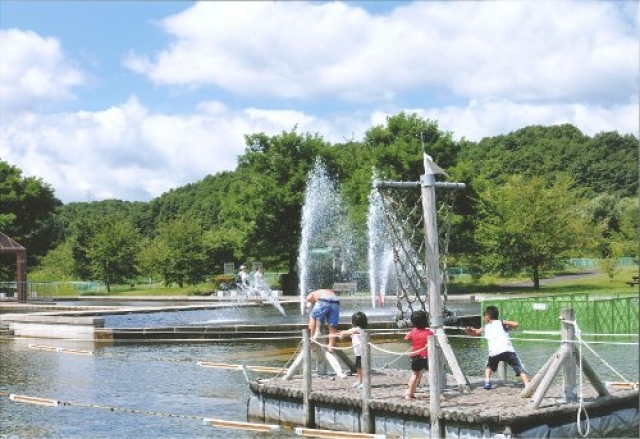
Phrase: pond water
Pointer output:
(264, 314)
(164, 378)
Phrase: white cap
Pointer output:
(242, 267)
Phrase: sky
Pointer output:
(129, 99)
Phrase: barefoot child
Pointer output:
(418, 337)
(358, 323)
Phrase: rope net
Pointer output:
(405, 232)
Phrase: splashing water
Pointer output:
(380, 254)
(326, 239)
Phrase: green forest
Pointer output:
(534, 198)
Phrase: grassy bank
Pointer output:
(564, 283)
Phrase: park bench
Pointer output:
(345, 287)
(635, 280)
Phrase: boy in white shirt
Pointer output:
(500, 348)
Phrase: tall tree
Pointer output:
(112, 252)
(27, 205)
(183, 252)
(529, 224)
(269, 199)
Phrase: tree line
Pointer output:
(534, 197)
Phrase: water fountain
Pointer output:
(327, 250)
(380, 252)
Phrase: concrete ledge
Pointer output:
(46, 326)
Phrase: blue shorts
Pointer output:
(327, 311)
(511, 358)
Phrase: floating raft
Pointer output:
(481, 413)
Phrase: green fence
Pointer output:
(49, 290)
(595, 315)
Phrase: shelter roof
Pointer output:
(9, 245)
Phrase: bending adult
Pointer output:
(326, 308)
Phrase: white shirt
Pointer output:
(497, 338)
(356, 341)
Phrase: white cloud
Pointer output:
(482, 69)
(484, 118)
(130, 153)
(523, 51)
(34, 69)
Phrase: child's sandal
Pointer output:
(408, 395)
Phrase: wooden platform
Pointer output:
(498, 409)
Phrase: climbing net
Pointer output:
(404, 220)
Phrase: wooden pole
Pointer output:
(295, 366)
(459, 375)
(569, 367)
(367, 417)
(346, 360)
(561, 356)
(432, 259)
(307, 406)
(535, 381)
(321, 361)
(21, 277)
(593, 378)
(502, 371)
(434, 391)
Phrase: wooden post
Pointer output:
(569, 367)
(295, 366)
(459, 375)
(561, 356)
(21, 278)
(502, 371)
(346, 360)
(535, 381)
(593, 378)
(307, 406)
(434, 390)
(432, 258)
(367, 418)
(321, 361)
(432, 261)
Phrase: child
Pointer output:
(358, 323)
(418, 337)
(500, 348)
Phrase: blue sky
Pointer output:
(124, 99)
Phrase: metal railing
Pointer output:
(615, 315)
